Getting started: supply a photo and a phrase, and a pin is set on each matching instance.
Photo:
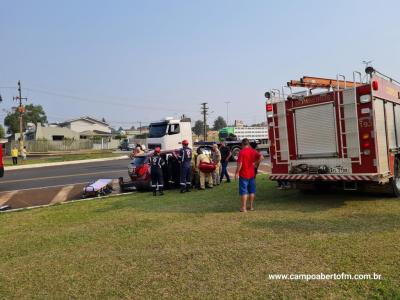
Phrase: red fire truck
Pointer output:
(345, 135)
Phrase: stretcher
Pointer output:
(100, 187)
(5, 207)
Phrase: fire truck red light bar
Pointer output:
(269, 107)
(375, 85)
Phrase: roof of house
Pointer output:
(85, 118)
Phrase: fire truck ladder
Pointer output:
(345, 132)
(355, 73)
(341, 133)
(278, 128)
(323, 83)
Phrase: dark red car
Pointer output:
(139, 171)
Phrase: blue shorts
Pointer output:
(247, 186)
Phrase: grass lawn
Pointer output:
(60, 158)
(199, 246)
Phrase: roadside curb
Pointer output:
(62, 163)
(65, 202)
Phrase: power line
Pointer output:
(107, 102)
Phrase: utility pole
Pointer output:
(21, 111)
(204, 111)
(227, 112)
(140, 127)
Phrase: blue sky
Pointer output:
(132, 61)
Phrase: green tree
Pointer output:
(33, 114)
(219, 123)
(198, 128)
(2, 132)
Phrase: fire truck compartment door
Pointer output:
(316, 131)
(380, 129)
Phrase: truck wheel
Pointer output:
(396, 177)
(235, 154)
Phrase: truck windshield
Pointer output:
(157, 130)
(223, 134)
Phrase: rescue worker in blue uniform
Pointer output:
(185, 159)
(157, 177)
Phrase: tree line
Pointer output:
(198, 127)
(35, 114)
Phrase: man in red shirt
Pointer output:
(248, 161)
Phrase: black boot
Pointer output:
(183, 189)
(155, 191)
(188, 188)
(161, 191)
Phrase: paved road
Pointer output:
(62, 175)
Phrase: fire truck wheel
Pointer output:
(396, 177)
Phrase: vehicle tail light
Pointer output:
(142, 170)
(365, 136)
(366, 144)
(364, 90)
(375, 85)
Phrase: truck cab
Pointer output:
(169, 133)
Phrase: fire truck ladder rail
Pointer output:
(275, 128)
(356, 113)
(340, 112)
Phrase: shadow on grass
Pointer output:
(367, 223)
(270, 198)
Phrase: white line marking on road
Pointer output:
(64, 163)
(42, 187)
(262, 172)
(7, 196)
(60, 176)
(62, 195)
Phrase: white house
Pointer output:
(88, 126)
(51, 133)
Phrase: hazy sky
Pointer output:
(132, 61)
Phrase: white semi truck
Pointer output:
(169, 133)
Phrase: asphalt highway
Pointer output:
(62, 175)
